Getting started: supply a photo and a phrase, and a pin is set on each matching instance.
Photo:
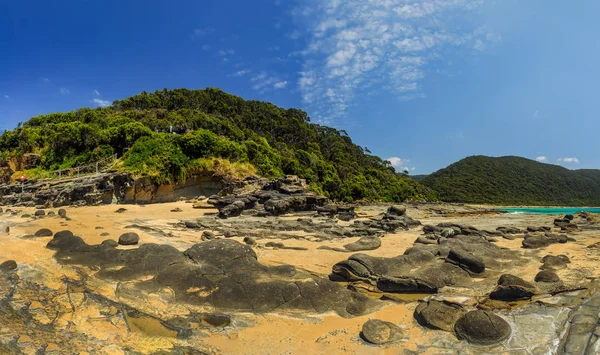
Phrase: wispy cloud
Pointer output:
(400, 164)
(568, 160)
(205, 47)
(263, 82)
(354, 44)
(280, 85)
(241, 73)
(100, 103)
(537, 114)
(542, 159)
(97, 93)
(201, 32)
(6, 97)
(46, 80)
(64, 91)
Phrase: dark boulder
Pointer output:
(512, 288)
(405, 284)
(547, 276)
(482, 327)
(466, 260)
(397, 210)
(379, 332)
(249, 241)
(62, 213)
(129, 239)
(40, 213)
(44, 232)
(8, 266)
(438, 315)
(555, 262)
(234, 209)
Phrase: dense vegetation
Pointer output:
(169, 135)
(515, 181)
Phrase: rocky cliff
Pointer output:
(103, 188)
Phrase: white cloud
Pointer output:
(280, 85)
(400, 164)
(354, 44)
(542, 159)
(6, 97)
(568, 160)
(264, 82)
(200, 32)
(205, 47)
(97, 93)
(100, 103)
(46, 80)
(64, 91)
(537, 114)
(241, 73)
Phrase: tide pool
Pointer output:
(551, 210)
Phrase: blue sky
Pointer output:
(425, 83)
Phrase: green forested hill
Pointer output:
(514, 181)
(170, 134)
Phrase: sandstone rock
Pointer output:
(40, 213)
(129, 239)
(379, 332)
(121, 210)
(44, 232)
(177, 210)
(438, 315)
(62, 213)
(249, 241)
(482, 327)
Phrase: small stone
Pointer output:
(379, 332)
(129, 239)
(547, 276)
(206, 235)
(62, 213)
(40, 213)
(121, 210)
(8, 265)
(249, 241)
(397, 210)
(177, 210)
(44, 232)
(110, 243)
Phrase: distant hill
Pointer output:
(514, 181)
(418, 177)
(169, 135)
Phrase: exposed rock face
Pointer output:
(102, 188)
(555, 262)
(221, 273)
(8, 266)
(379, 332)
(534, 241)
(482, 327)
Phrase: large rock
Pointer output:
(482, 327)
(512, 288)
(379, 332)
(555, 262)
(129, 239)
(438, 315)
(222, 274)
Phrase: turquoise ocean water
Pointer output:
(551, 210)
